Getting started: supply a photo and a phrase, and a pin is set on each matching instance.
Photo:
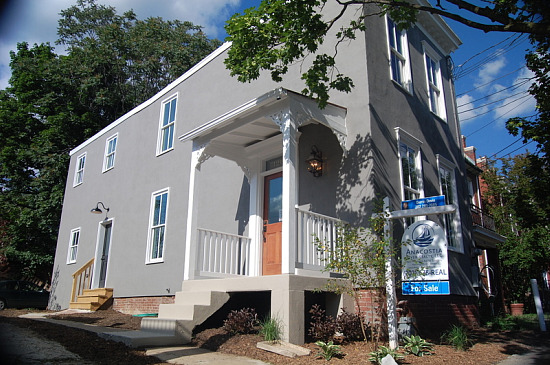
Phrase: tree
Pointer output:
(55, 102)
(280, 33)
(518, 197)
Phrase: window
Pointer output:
(434, 82)
(167, 125)
(73, 246)
(157, 231)
(410, 167)
(110, 150)
(79, 172)
(451, 222)
(399, 56)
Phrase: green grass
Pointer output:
(270, 329)
(517, 323)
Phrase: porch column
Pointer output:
(198, 156)
(290, 157)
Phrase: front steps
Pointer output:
(175, 322)
(92, 299)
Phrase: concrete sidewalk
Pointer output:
(29, 349)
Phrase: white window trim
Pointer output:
(161, 128)
(442, 162)
(405, 58)
(79, 172)
(411, 141)
(107, 154)
(148, 259)
(441, 108)
(71, 246)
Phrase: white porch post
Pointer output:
(255, 225)
(290, 158)
(197, 157)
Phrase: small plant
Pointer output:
(416, 345)
(322, 327)
(349, 325)
(242, 321)
(457, 336)
(270, 329)
(383, 351)
(328, 350)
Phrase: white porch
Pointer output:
(250, 135)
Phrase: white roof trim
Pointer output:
(156, 97)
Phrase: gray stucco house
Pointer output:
(208, 188)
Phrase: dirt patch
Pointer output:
(489, 348)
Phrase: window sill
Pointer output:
(164, 152)
(406, 89)
(154, 262)
(107, 170)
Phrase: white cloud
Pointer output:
(35, 21)
(490, 71)
(516, 101)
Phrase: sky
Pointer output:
(491, 83)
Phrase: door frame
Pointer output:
(271, 175)
(99, 251)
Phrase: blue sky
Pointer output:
(491, 87)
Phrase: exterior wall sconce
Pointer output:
(315, 162)
(96, 210)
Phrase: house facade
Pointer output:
(209, 184)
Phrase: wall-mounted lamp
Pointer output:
(315, 162)
(96, 210)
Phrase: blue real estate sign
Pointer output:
(433, 201)
(425, 287)
(424, 259)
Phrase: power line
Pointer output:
(490, 82)
(491, 102)
(490, 110)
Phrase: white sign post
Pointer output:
(390, 280)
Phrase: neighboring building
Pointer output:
(485, 237)
(207, 182)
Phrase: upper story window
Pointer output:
(79, 171)
(399, 56)
(410, 165)
(110, 150)
(73, 246)
(157, 229)
(434, 82)
(447, 185)
(167, 125)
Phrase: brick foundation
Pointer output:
(141, 305)
(433, 313)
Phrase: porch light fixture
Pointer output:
(96, 210)
(315, 162)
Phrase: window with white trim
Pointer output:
(73, 246)
(434, 82)
(447, 186)
(410, 165)
(79, 171)
(400, 67)
(157, 229)
(167, 125)
(110, 151)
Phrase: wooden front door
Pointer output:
(273, 225)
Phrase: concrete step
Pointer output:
(138, 339)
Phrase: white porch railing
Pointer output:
(223, 254)
(314, 228)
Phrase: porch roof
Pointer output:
(257, 120)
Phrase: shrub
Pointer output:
(457, 336)
(270, 329)
(322, 327)
(377, 356)
(349, 324)
(328, 350)
(417, 346)
(242, 321)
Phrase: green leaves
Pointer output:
(54, 103)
